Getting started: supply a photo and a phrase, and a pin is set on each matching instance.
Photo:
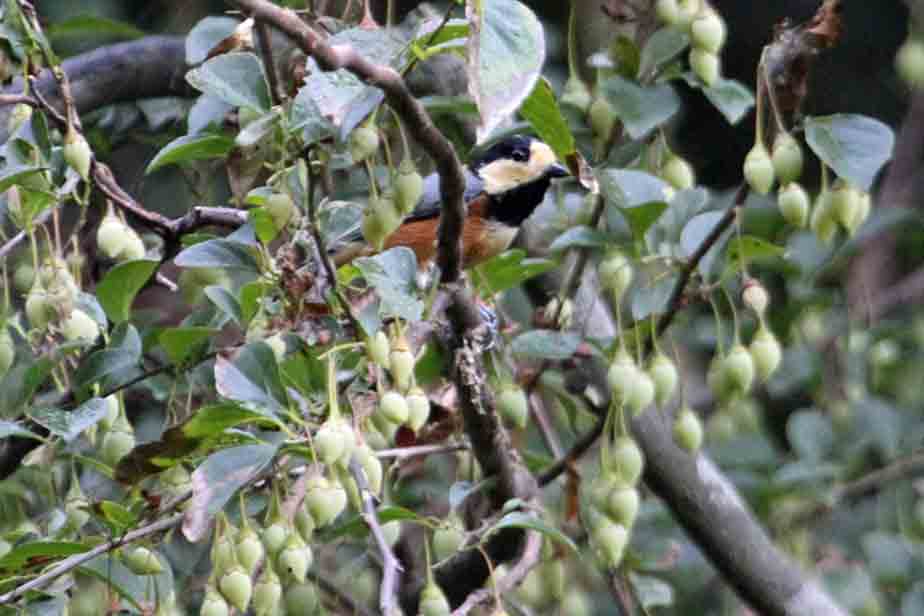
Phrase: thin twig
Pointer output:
(405, 453)
(531, 556)
(391, 566)
(266, 52)
(72, 562)
(577, 450)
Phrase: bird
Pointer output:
(504, 185)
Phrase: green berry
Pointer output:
(115, 446)
(909, 62)
(626, 461)
(758, 169)
(602, 118)
(708, 30)
(688, 430)
(267, 593)
(364, 143)
(408, 186)
(249, 549)
(845, 203)
(447, 540)
(622, 505)
(214, 604)
(111, 236)
(39, 309)
(687, 10)
(301, 599)
(512, 405)
(236, 588)
(295, 558)
(372, 467)
(668, 11)
(615, 274)
(79, 326)
(379, 349)
(664, 375)
(706, 65)
(610, 540)
(794, 204)
(7, 351)
(678, 173)
(622, 376)
(142, 561)
(393, 407)
(823, 220)
(23, 277)
(77, 153)
(330, 442)
(787, 158)
(401, 365)
(274, 536)
(304, 523)
(433, 602)
(418, 406)
(281, 209)
(755, 297)
(325, 500)
(738, 370)
(643, 393)
(766, 353)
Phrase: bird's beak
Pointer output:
(558, 171)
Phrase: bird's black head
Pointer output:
(516, 173)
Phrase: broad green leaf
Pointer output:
(393, 275)
(890, 557)
(750, 248)
(811, 434)
(258, 129)
(14, 428)
(306, 116)
(651, 296)
(120, 579)
(207, 113)
(181, 342)
(155, 456)
(118, 288)
(252, 378)
(70, 424)
(511, 269)
(205, 35)
(545, 344)
(541, 110)
(187, 148)
(530, 521)
(235, 78)
(627, 188)
(694, 234)
(117, 517)
(109, 366)
(91, 27)
(580, 237)
(854, 146)
(355, 527)
(20, 556)
(641, 109)
(651, 591)
(210, 421)
(225, 301)
(643, 217)
(216, 480)
(221, 253)
(338, 218)
(505, 54)
(731, 98)
(662, 47)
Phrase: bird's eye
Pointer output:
(519, 156)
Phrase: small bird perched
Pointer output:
(503, 187)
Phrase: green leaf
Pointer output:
(118, 289)
(506, 53)
(235, 78)
(90, 27)
(109, 366)
(545, 344)
(695, 232)
(651, 591)
(258, 129)
(205, 35)
(662, 47)
(854, 146)
(730, 97)
(641, 109)
(13, 428)
(20, 556)
(355, 527)
(225, 301)
(118, 518)
(117, 577)
(890, 557)
(218, 478)
(187, 148)
(306, 116)
(530, 521)
(181, 342)
(210, 421)
(643, 217)
(252, 379)
(461, 105)
(393, 275)
(651, 296)
(510, 269)
(70, 424)
(222, 253)
(627, 188)
(750, 248)
(811, 434)
(541, 110)
(580, 237)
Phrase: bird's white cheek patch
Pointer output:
(502, 175)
